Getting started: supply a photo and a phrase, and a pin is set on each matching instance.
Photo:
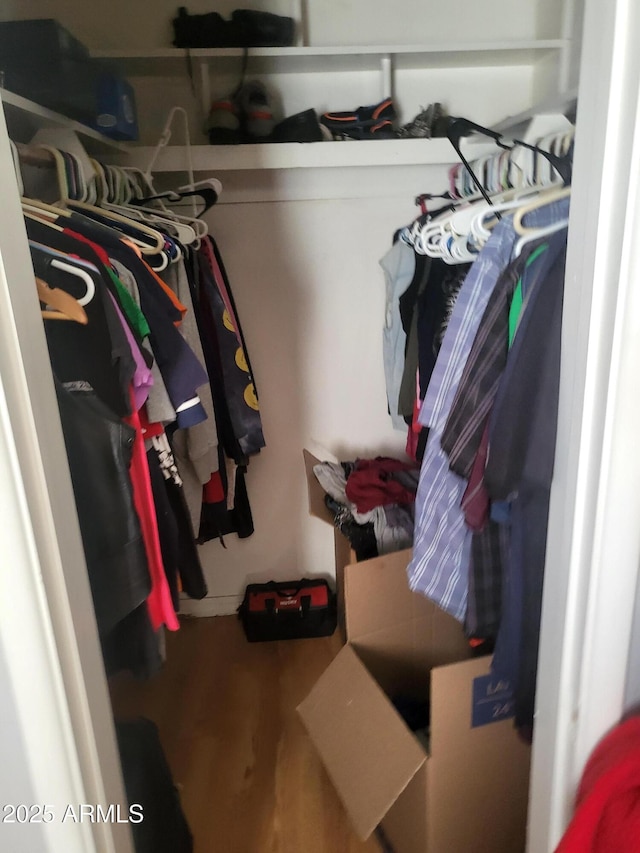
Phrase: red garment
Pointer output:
(213, 491)
(100, 252)
(607, 816)
(150, 429)
(415, 427)
(475, 501)
(159, 602)
(369, 484)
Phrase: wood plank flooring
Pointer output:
(250, 779)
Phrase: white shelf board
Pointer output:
(294, 155)
(564, 102)
(33, 116)
(338, 58)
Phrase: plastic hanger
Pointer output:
(36, 206)
(77, 273)
(459, 127)
(153, 246)
(60, 261)
(144, 194)
(165, 137)
(537, 233)
(41, 219)
(542, 200)
(66, 307)
(511, 200)
(183, 231)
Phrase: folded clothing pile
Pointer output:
(372, 501)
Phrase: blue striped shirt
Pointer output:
(439, 567)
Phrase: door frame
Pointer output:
(593, 545)
(48, 630)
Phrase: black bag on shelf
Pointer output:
(288, 610)
(264, 29)
(245, 29)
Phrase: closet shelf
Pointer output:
(563, 103)
(340, 57)
(294, 155)
(24, 117)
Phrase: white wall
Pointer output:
(310, 293)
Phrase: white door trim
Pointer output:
(593, 548)
(48, 631)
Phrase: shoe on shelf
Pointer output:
(380, 130)
(223, 123)
(424, 125)
(301, 127)
(256, 110)
(363, 117)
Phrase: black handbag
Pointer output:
(288, 610)
(246, 28)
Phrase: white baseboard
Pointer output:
(222, 605)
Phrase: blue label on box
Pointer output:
(492, 701)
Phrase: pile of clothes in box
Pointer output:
(372, 501)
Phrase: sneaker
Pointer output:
(380, 130)
(223, 123)
(254, 102)
(424, 124)
(362, 116)
(301, 127)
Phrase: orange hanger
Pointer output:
(66, 307)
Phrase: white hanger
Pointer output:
(537, 233)
(511, 199)
(78, 273)
(165, 137)
(183, 231)
(542, 200)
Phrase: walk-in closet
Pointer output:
(325, 293)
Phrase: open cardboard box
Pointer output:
(344, 553)
(469, 793)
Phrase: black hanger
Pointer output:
(208, 195)
(456, 128)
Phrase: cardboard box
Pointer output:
(344, 553)
(469, 793)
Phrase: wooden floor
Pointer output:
(250, 779)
